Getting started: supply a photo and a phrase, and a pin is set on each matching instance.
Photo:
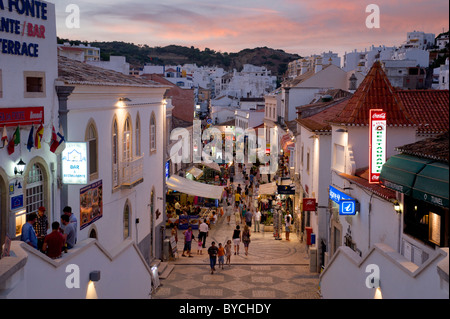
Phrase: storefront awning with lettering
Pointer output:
(419, 178)
(400, 171)
(432, 184)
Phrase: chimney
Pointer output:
(318, 67)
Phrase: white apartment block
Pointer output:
(297, 67)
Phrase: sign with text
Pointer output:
(347, 204)
(309, 204)
(21, 116)
(74, 164)
(377, 144)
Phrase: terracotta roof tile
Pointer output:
(436, 148)
(319, 121)
(430, 109)
(362, 181)
(375, 92)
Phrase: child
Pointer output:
(200, 248)
(221, 255)
(228, 252)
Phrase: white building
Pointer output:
(120, 207)
(420, 40)
(444, 76)
(295, 67)
(251, 82)
(442, 40)
(115, 63)
(83, 53)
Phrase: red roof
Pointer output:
(319, 122)
(375, 92)
(362, 180)
(430, 109)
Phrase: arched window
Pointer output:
(138, 136)
(127, 153)
(115, 154)
(35, 189)
(126, 221)
(153, 133)
(92, 140)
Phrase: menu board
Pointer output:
(435, 228)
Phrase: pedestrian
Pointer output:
(257, 218)
(174, 233)
(213, 251)
(203, 232)
(221, 255)
(288, 221)
(41, 226)
(237, 197)
(72, 219)
(248, 218)
(28, 233)
(236, 239)
(200, 247)
(54, 242)
(69, 231)
(228, 212)
(188, 237)
(243, 213)
(228, 252)
(237, 215)
(177, 208)
(246, 238)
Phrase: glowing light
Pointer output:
(91, 291)
(378, 294)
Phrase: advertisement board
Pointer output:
(377, 144)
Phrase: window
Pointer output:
(153, 133)
(35, 189)
(34, 84)
(126, 221)
(91, 139)
(127, 154)
(138, 136)
(115, 154)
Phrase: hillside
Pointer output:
(138, 55)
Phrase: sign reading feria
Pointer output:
(377, 144)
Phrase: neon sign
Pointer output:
(377, 144)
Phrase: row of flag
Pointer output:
(34, 140)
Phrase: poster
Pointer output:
(435, 228)
(91, 204)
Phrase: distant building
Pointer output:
(80, 52)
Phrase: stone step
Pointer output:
(166, 272)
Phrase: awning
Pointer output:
(422, 179)
(212, 165)
(400, 171)
(186, 186)
(268, 189)
(432, 184)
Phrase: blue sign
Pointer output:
(347, 204)
(16, 202)
(167, 170)
(347, 207)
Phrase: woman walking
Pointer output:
(237, 239)
(246, 238)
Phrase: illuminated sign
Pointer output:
(21, 116)
(347, 204)
(377, 144)
(74, 164)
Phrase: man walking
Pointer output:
(213, 251)
(203, 232)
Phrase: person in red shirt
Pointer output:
(54, 242)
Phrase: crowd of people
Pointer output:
(239, 201)
(63, 236)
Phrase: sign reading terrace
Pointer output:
(377, 144)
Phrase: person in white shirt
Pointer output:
(203, 232)
(288, 222)
(257, 217)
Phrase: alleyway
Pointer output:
(273, 269)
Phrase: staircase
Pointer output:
(164, 268)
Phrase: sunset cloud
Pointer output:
(296, 26)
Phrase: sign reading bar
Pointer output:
(21, 116)
(377, 144)
(74, 164)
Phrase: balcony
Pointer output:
(131, 172)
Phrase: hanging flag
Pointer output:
(38, 138)
(54, 141)
(30, 143)
(61, 141)
(4, 137)
(15, 140)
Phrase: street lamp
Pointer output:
(20, 167)
(397, 207)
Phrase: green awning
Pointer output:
(400, 171)
(432, 184)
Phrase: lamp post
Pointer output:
(20, 167)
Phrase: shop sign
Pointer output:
(74, 164)
(309, 204)
(21, 116)
(347, 204)
(286, 190)
(377, 144)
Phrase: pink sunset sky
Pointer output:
(295, 26)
